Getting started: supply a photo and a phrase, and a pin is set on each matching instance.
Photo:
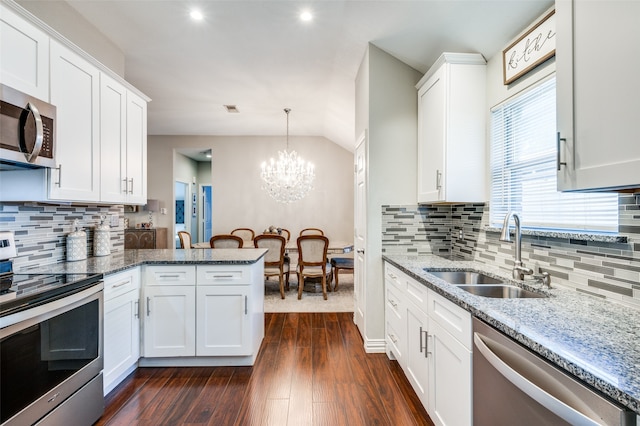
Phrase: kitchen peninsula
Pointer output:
(176, 307)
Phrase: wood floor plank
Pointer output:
(301, 400)
(312, 370)
(205, 404)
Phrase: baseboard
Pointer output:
(375, 346)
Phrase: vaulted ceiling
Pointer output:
(260, 56)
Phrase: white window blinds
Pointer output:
(523, 169)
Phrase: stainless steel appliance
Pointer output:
(51, 356)
(27, 131)
(513, 386)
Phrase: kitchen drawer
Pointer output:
(416, 293)
(395, 305)
(395, 342)
(393, 276)
(170, 275)
(451, 317)
(121, 282)
(224, 274)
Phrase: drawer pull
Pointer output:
(223, 276)
(393, 277)
(393, 338)
(120, 284)
(174, 276)
(393, 303)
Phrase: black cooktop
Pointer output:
(23, 291)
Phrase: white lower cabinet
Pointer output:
(170, 321)
(121, 326)
(203, 315)
(417, 369)
(437, 356)
(226, 305)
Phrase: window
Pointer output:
(523, 169)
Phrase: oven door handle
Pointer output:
(542, 396)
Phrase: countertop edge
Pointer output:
(564, 364)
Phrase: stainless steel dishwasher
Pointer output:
(513, 386)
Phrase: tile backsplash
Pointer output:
(40, 229)
(602, 269)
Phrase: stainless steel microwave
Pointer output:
(27, 131)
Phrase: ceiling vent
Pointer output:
(231, 108)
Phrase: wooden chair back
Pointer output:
(275, 244)
(246, 234)
(226, 241)
(311, 231)
(185, 240)
(286, 234)
(312, 251)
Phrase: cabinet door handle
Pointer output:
(426, 344)
(246, 309)
(136, 309)
(148, 306)
(131, 191)
(438, 179)
(559, 161)
(421, 345)
(126, 186)
(59, 182)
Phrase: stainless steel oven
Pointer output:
(51, 351)
(27, 131)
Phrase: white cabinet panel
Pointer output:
(597, 105)
(136, 151)
(418, 354)
(170, 275)
(450, 368)
(24, 55)
(121, 326)
(113, 140)
(170, 321)
(223, 326)
(75, 89)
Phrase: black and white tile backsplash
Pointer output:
(40, 229)
(605, 269)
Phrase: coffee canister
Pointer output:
(101, 237)
(76, 243)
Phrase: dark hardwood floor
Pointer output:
(311, 370)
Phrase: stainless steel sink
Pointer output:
(465, 277)
(500, 291)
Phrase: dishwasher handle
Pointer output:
(545, 399)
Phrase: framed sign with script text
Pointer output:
(533, 48)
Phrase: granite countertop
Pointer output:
(129, 258)
(595, 340)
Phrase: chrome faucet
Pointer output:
(519, 271)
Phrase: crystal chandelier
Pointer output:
(290, 178)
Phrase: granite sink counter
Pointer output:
(130, 258)
(594, 340)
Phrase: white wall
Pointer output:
(387, 106)
(239, 201)
(65, 20)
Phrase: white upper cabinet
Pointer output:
(123, 144)
(75, 91)
(24, 55)
(597, 69)
(136, 153)
(451, 130)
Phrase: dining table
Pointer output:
(334, 246)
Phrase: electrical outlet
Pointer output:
(114, 220)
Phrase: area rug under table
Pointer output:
(340, 301)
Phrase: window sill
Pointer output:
(576, 236)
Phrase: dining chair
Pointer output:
(246, 234)
(312, 261)
(311, 231)
(286, 234)
(341, 264)
(226, 241)
(274, 264)
(185, 240)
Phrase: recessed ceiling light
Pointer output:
(196, 15)
(306, 16)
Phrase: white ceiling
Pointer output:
(260, 56)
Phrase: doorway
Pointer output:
(182, 219)
(206, 207)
